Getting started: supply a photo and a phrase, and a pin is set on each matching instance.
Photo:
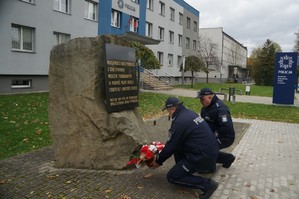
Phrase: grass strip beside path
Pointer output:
(24, 124)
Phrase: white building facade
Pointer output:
(29, 30)
(231, 54)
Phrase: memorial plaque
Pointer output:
(120, 78)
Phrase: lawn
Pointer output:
(24, 124)
(266, 91)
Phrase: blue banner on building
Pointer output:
(284, 78)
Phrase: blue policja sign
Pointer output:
(284, 78)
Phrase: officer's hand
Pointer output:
(154, 164)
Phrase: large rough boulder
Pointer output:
(84, 135)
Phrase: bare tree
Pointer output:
(208, 54)
(193, 64)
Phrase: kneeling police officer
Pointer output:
(194, 147)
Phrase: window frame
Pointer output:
(134, 24)
(88, 8)
(179, 60)
(172, 14)
(194, 45)
(149, 29)
(161, 33)
(195, 28)
(170, 59)
(20, 29)
(16, 86)
(118, 18)
(59, 36)
(150, 4)
(187, 43)
(180, 40)
(162, 8)
(188, 24)
(160, 57)
(171, 37)
(181, 16)
(29, 1)
(59, 9)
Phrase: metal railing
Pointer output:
(154, 81)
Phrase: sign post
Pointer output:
(284, 78)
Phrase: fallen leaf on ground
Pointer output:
(149, 175)
(108, 190)
(253, 197)
(3, 181)
(38, 132)
(52, 177)
(125, 197)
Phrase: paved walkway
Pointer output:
(266, 167)
(239, 98)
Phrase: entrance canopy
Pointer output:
(142, 39)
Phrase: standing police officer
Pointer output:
(194, 146)
(217, 115)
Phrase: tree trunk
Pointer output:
(207, 78)
(192, 72)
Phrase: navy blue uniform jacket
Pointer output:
(190, 137)
(217, 115)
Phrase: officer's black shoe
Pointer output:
(213, 170)
(207, 194)
(227, 165)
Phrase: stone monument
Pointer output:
(84, 134)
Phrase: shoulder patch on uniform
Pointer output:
(224, 118)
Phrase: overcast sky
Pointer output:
(252, 22)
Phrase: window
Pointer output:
(162, 8)
(150, 4)
(180, 40)
(180, 18)
(61, 5)
(180, 61)
(149, 29)
(60, 38)
(172, 14)
(133, 24)
(161, 33)
(160, 58)
(28, 1)
(187, 42)
(90, 10)
(171, 37)
(115, 19)
(22, 38)
(188, 23)
(195, 26)
(170, 59)
(21, 83)
(194, 45)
